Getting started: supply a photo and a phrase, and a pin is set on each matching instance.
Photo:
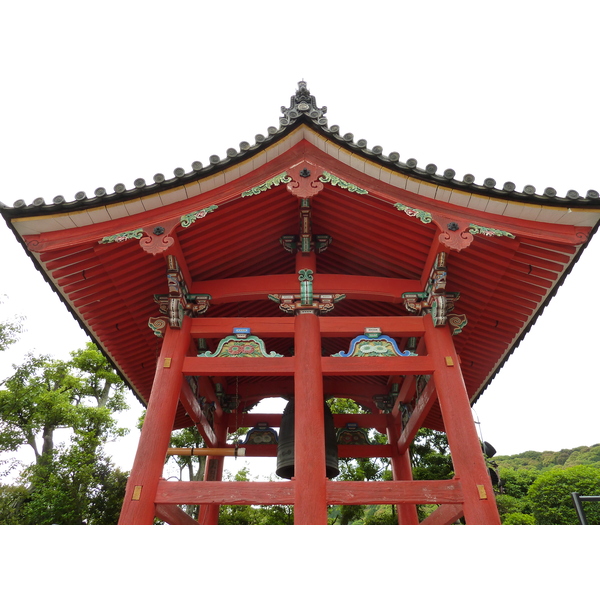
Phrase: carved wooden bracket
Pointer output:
(305, 181)
(456, 234)
(178, 302)
(434, 299)
(305, 242)
(158, 237)
(306, 300)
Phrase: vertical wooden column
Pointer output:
(208, 514)
(467, 457)
(402, 471)
(139, 504)
(310, 507)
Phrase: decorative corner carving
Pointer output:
(338, 182)
(189, 219)
(158, 237)
(489, 231)
(135, 234)
(267, 185)
(423, 216)
(304, 183)
(456, 239)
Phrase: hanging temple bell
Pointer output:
(285, 446)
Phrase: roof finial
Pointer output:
(303, 102)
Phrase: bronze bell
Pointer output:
(285, 445)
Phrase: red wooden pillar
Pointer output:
(402, 471)
(139, 504)
(310, 507)
(208, 514)
(469, 465)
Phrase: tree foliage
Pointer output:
(551, 500)
(254, 515)
(9, 331)
(430, 456)
(69, 482)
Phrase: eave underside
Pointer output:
(503, 282)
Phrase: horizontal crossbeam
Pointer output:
(329, 326)
(333, 366)
(338, 492)
(355, 287)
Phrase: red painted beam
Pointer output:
(426, 401)
(173, 515)
(331, 365)
(338, 492)
(385, 289)
(386, 365)
(344, 450)
(330, 326)
(193, 410)
(394, 492)
(225, 492)
(446, 514)
(193, 365)
(366, 421)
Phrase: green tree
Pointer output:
(513, 500)
(550, 495)
(430, 456)
(517, 518)
(359, 469)
(71, 482)
(9, 331)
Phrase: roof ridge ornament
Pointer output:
(303, 102)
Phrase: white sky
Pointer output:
(100, 93)
(97, 93)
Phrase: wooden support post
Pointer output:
(310, 506)
(402, 471)
(208, 514)
(469, 465)
(139, 504)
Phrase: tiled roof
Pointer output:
(303, 109)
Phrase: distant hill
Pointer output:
(542, 461)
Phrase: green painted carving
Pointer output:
(136, 234)
(187, 220)
(334, 180)
(267, 185)
(383, 345)
(434, 299)
(305, 276)
(489, 231)
(422, 215)
(232, 347)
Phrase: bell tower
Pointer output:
(308, 265)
